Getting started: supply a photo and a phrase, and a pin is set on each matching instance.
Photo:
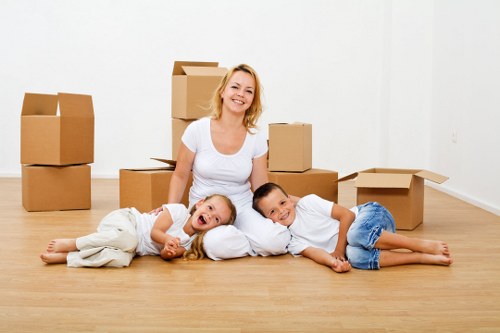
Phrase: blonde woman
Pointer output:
(228, 154)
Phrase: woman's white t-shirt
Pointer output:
(214, 172)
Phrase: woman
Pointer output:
(228, 155)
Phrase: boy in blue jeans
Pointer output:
(330, 234)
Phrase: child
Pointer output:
(123, 233)
(329, 233)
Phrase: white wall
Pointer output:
(373, 77)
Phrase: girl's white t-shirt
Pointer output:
(214, 172)
(144, 225)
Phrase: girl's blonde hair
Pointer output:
(253, 113)
(196, 251)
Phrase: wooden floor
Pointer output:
(276, 294)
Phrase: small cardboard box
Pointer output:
(401, 191)
(193, 85)
(51, 139)
(313, 181)
(147, 189)
(178, 128)
(48, 188)
(290, 147)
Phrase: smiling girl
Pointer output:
(126, 232)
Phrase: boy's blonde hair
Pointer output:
(253, 113)
(196, 251)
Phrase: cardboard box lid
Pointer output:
(170, 165)
(297, 123)
(70, 105)
(204, 71)
(178, 70)
(383, 180)
(432, 176)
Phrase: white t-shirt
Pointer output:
(214, 172)
(314, 225)
(145, 222)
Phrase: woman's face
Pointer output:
(239, 92)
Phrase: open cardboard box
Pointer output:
(49, 188)
(178, 128)
(147, 188)
(313, 181)
(401, 191)
(290, 147)
(51, 139)
(193, 85)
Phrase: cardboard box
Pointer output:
(401, 191)
(290, 147)
(313, 181)
(193, 85)
(48, 188)
(51, 139)
(147, 189)
(178, 128)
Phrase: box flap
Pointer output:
(437, 178)
(383, 180)
(39, 104)
(348, 177)
(169, 162)
(177, 70)
(151, 169)
(204, 71)
(73, 105)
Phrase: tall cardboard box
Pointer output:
(147, 189)
(178, 128)
(49, 138)
(290, 147)
(313, 181)
(49, 188)
(193, 85)
(401, 191)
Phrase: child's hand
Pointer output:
(156, 211)
(341, 266)
(338, 255)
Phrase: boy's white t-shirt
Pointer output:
(214, 172)
(145, 222)
(313, 225)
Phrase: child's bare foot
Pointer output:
(436, 259)
(434, 247)
(54, 258)
(62, 245)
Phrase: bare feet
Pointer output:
(434, 247)
(62, 245)
(54, 258)
(436, 259)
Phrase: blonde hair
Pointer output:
(196, 251)
(252, 114)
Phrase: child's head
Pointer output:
(272, 202)
(208, 213)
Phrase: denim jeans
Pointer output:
(371, 220)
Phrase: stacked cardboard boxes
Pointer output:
(193, 84)
(290, 162)
(57, 144)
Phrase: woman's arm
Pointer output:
(185, 159)
(259, 174)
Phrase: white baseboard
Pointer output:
(466, 198)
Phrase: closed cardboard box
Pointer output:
(178, 128)
(50, 138)
(193, 85)
(147, 189)
(49, 188)
(290, 147)
(401, 191)
(313, 181)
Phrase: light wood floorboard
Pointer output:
(274, 294)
